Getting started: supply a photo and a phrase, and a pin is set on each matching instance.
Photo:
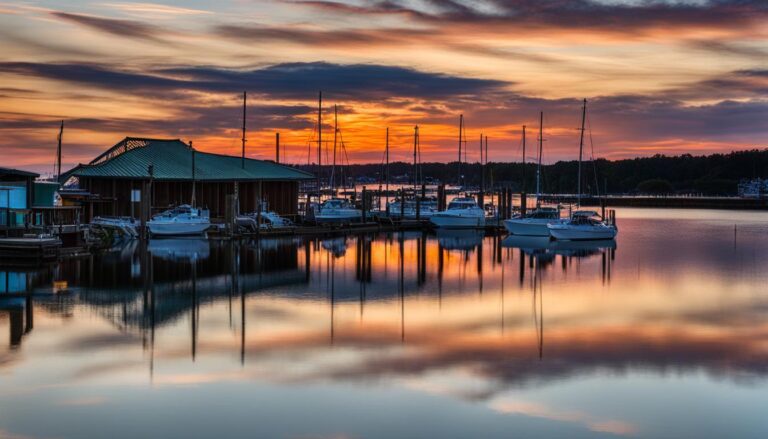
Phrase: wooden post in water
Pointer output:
(401, 196)
(364, 196)
(418, 208)
(523, 204)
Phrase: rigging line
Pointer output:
(592, 153)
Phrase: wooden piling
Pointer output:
(523, 204)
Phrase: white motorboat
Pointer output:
(337, 210)
(462, 213)
(534, 224)
(180, 221)
(584, 225)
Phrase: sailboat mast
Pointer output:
(242, 162)
(524, 162)
(319, 139)
(58, 151)
(335, 135)
(482, 169)
(581, 149)
(415, 160)
(386, 168)
(541, 149)
(461, 139)
(193, 173)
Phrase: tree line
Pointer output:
(715, 174)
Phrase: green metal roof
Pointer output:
(172, 160)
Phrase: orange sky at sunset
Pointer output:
(661, 76)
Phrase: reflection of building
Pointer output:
(161, 172)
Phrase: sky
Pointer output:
(660, 76)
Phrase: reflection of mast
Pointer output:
(538, 317)
(195, 311)
(440, 268)
(480, 265)
(401, 287)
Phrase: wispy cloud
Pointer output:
(114, 26)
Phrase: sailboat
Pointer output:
(535, 224)
(336, 210)
(416, 206)
(584, 224)
(462, 212)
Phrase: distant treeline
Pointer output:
(716, 174)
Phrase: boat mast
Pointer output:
(525, 185)
(386, 168)
(482, 168)
(461, 133)
(319, 140)
(415, 158)
(58, 151)
(581, 149)
(242, 164)
(335, 134)
(193, 173)
(541, 149)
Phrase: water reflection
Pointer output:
(509, 326)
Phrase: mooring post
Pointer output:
(401, 196)
(418, 208)
(365, 204)
(523, 204)
(509, 203)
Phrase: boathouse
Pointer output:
(139, 177)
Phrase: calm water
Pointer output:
(663, 333)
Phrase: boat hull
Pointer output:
(177, 228)
(457, 222)
(582, 233)
(338, 218)
(528, 226)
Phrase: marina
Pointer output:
(413, 323)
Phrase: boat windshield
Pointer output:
(462, 204)
(545, 214)
(334, 204)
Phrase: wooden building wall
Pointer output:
(281, 196)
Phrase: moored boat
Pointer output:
(183, 220)
(584, 225)
(534, 224)
(462, 213)
(337, 210)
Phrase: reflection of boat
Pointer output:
(462, 213)
(529, 244)
(269, 220)
(583, 225)
(534, 224)
(460, 239)
(337, 246)
(180, 249)
(582, 248)
(180, 221)
(337, 210)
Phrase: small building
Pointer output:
(159, 173)
(17, 196)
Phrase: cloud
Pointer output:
(114, 26)
(293, 80)
(584, 15)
